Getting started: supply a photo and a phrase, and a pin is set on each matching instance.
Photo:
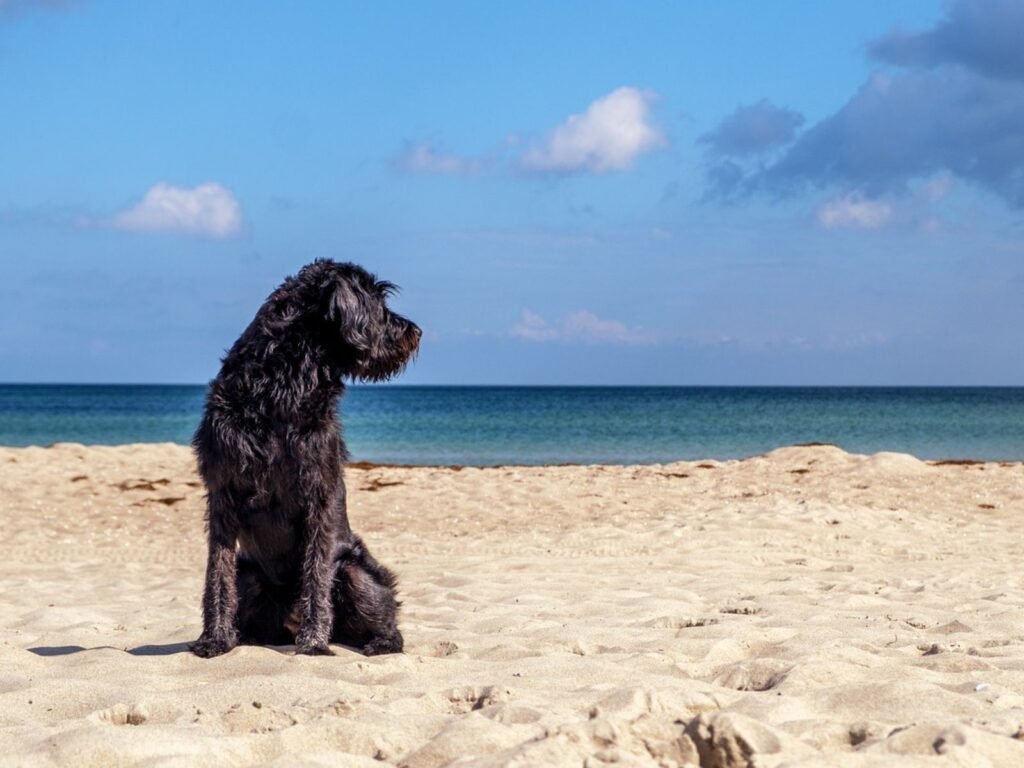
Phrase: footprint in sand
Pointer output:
(122, 714)
(445, 648)
(472, 698)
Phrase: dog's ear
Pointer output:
(345, 311)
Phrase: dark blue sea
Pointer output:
(552, 425)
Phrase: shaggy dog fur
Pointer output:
(284, 566)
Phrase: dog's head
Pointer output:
(368, 341)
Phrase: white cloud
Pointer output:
(533, 327)
(580, 326)
(854, 212)
(589, 327)
(208, 210)
(608, 136)
(936, 188)
(423, 158)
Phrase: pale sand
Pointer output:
(807, 608)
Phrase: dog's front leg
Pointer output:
(220, 598)
(317, 578)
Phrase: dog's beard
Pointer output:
(395, 353)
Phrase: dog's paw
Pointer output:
(383, 645)
(313, 649)
(208, 647)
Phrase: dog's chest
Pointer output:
(273, 539)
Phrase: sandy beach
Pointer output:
(804, 608)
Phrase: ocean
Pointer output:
(479, 426)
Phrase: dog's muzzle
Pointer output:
(411, 339)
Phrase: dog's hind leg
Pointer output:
(365, 606)
(220, 596)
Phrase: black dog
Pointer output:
(283, 563)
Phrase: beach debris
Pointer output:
(375, 484)
(168, 501)
(740, 610)
(141, 485)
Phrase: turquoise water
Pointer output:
(545, 425)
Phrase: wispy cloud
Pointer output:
(608, 136)
(580, 326)
(936, 188)
(424, 158)
(854, 212)
(207, 210)
(585, 327)
(533, 327)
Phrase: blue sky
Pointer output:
(567, 193)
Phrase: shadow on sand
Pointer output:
(143, 650)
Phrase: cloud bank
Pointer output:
(753, 129)
(984, 36)
(916, 124)
(208, 210)
(953, 105)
